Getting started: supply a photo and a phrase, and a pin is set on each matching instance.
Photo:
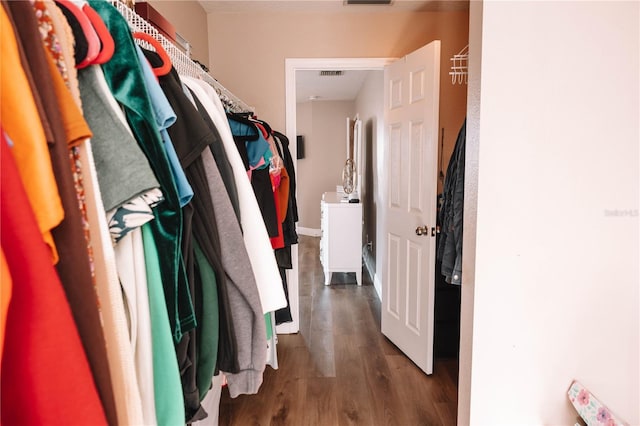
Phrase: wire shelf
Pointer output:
(181, 62)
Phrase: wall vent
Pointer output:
(367, 2)
(335, 73)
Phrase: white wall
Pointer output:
(369, 105)
(470, 212)
(325, 154)
(556, 291)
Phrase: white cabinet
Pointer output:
(341, 239)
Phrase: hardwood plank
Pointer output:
(243, 410)
(354, 400)
(298, 364)
(287, 405)
(388, 407)
(320, 406)
(419, 408)
(320, 342)
(342, 312)
(447, 412)
(340, 370)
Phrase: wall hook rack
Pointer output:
(459, 63)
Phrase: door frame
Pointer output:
(291, 66)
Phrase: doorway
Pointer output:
(297, 70)
(292, 66)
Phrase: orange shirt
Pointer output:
(75, 126)
(5, 296)
(21, 122)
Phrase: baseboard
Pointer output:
(378, 286)
(370, 264)
(311, 232)
(287, 328)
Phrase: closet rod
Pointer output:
(182, 63)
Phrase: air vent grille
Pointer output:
(335, 73)
(367, 2)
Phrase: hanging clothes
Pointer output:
(6, 285)
(123, 170)
(254, 232)
(149, 215)
(219, 154)
(124, 77)
(290, 236)
(166, 373)
(39, 320)
(31, 151)
(452, 212)
(289, 225)
(191, 137)
(121, 359)
(74, 266)
(248, 322)
(165, 117)
(129, 190)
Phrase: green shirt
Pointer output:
(208, 326)
(166, 376)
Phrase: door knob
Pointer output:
(422, 230)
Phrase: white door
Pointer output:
(411, 143)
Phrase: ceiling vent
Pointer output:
(367, 1)
(331, 73)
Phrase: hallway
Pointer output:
(339, 369)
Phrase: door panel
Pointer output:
(411, 127)
(393, 301)
(414, 294)
(417, 78)
(416, 154)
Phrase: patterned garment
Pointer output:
(133, 214)
(52, 43)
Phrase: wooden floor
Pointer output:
(340, 370)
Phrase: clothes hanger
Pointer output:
(263, 123)
(260, 127)
(80, 45)
(106, 39)
(166, 61)
(244, 120)
(93, 41)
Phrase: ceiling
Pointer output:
(310, 84)
(253, 6)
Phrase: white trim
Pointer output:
(311, 232)
(370, 264)
(286, 328)
(291, 66)
(377, 284)
(295, 64)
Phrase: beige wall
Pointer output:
(370, 106)
(248, 51)
(325, 154)
(556, 291)
(304, 127)
(190, 21)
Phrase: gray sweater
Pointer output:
(248, 322)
